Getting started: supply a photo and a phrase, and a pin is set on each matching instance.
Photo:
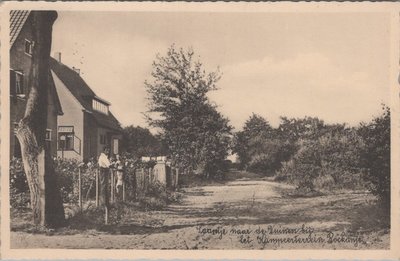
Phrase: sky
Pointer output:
(334, 66)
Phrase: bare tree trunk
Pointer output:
(46, 200)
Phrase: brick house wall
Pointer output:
(22, 62)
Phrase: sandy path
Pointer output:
(241, 204)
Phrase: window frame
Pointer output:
(30, 45)
(66, 134)
(50, 131)
(100, 106)
(17, 83)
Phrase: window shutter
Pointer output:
(12, 82)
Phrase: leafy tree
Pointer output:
(195, 132)
(259, 146)
(256, 128)
(376, 155)
(140, 142)
(293, 129)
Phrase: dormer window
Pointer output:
(100, 106)
(28, 47)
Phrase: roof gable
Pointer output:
(83, 93)
(75, 84)
(17, 21)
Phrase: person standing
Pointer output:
(120, 176)
(104, 165)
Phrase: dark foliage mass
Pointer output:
(139, 142)
(314, 155)
(375, 156)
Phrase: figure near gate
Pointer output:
(120, 175)
(104, 165)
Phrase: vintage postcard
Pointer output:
(173, 130)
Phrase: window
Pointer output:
(48, 134)
(66, 138)
(28, 47)
(99, 106)
(17, 83)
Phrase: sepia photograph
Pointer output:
(198, 130)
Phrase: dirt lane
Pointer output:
(211, 216)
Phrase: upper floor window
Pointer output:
(99, 106)
(48, 134)
(16, 83)
(28, 47)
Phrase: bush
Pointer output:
(67, 171)
(376, 155)
(157, 196)
(330, 162)
(19, 190)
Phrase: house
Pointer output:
(21, 51)
(87, 125)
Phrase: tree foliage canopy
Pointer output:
(140, 142)
(196, 134)
(376, 154)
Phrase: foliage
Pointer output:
(292, 129)
(259, 147)
(376, 154)
(157, 196)
(331, 161)
(138, 142)
(19, 190)
(67, 171)
(196, 134)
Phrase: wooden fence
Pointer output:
(135, 185)
(146, 177)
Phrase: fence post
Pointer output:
(112, 186)
(80, 189)
(176, 177)
(123, 190)
(106, 215)
(97, 187)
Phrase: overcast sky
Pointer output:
(334, 66)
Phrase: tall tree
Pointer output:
(195, 132)
(255, 130)
(46, 200)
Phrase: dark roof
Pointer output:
(17, 21)
(108, 121)
(75, 84)
(82, 92)
(53, 92)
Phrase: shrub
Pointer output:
(157, 196)
(19, 190)
(330, 162)
(67, 171)
(376, 155)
